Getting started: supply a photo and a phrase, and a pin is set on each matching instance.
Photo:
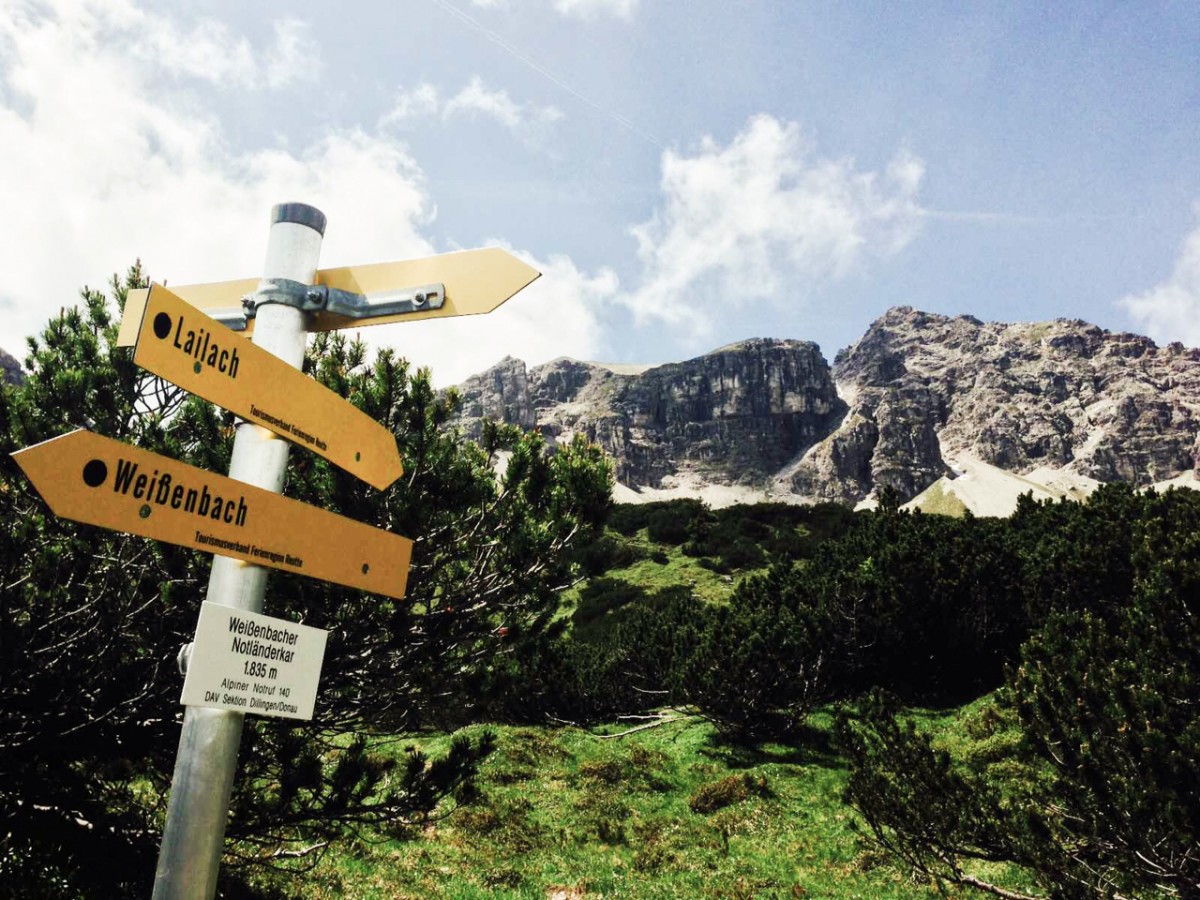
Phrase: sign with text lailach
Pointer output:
(251, 663)
(180, 343)
(99, 481)
(475, 281)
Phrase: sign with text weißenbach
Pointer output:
(251, 663)
(99, 481)
(178, 342)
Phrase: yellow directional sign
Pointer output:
(96, 480)
(181, 344)
(475, 281)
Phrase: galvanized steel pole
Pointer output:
(190, 855)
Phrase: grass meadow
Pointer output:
(667, 811)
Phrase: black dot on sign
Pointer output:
(95, 472)
(162, 325)
(196, 368)
(357, 457)
(366, 568)
(144, 512)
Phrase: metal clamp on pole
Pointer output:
(232, 317)
(321, 298)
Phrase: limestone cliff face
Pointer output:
(734, 416)
(500, 393)
(10, 369)
(916, 399)
(1062, 395)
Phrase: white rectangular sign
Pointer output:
(251, 663)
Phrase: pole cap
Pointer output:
(299, 214)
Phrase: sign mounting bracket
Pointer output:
(312, 298)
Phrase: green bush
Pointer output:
(606, 553)
(758, 665)
(928, 606)
(666, 520)
(601, 597)
(1102, 796)
(621, 665)
(672, 523)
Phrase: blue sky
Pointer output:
(685, 175)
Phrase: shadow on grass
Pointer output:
(811, 746)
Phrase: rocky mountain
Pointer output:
(920, 402)
(10, 369)
(1046, 401)
(735, 416)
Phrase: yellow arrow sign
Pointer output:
(183, 345)
(475, 281)
(96, 480)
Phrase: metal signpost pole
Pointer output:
(190, 855)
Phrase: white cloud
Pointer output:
(104, 163)
(420, 102)
(129, 167)
(208, 50)
(294, 56)
(765, 219)
(477, 98)
(1171, 311)
(473, 100)
(587, 9)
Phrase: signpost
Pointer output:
(181, 344)
(195, 336)
(251, 663)
(88, 478)
(473, 281)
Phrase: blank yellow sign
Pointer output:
(98, 481)
(475, 281)
(181, 344)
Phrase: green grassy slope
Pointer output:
(665, 812)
